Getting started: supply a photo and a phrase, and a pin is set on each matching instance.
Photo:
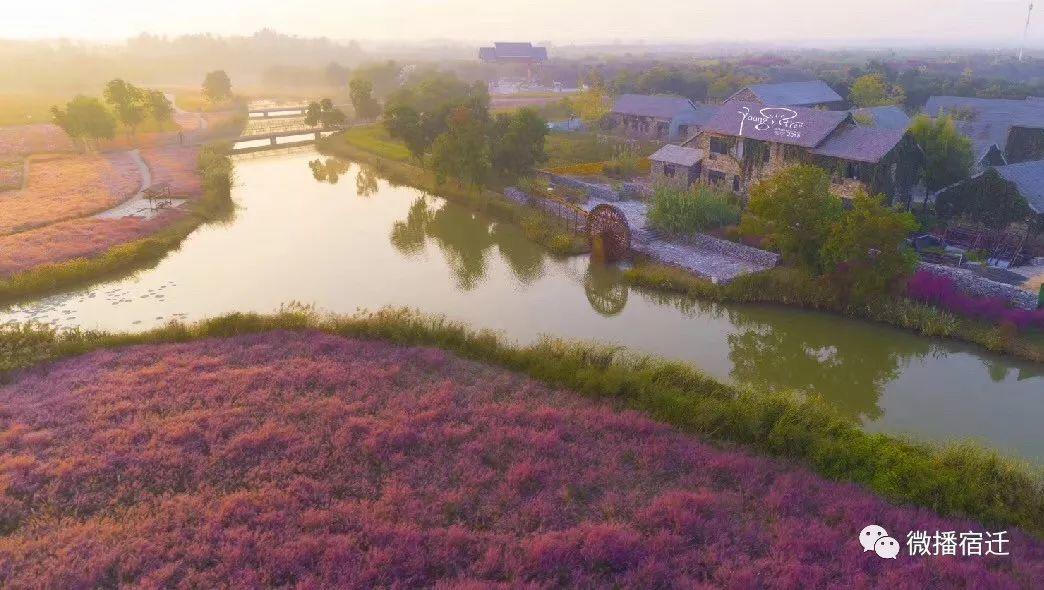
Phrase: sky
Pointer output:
(811, 22)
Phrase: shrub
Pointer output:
(678, 212)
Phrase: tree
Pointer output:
(517, 143)
(794, 210)
(947, 153)
(873, 90)
(361, 93)
(325, 114)
(217, 86)
(404, 123)
(159, 106)
(127, 100)
(987, 199)
(592, 106)
(462, 152)
(85, 118)
(866, 246)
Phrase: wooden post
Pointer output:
(272, 140)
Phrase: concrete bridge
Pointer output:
(277, 112)
(315, 134)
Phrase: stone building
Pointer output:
(676, 165)
(661, 117)
(813, 94)
(746, 142)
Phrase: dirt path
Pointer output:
(138, 205)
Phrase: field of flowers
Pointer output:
(311, 460)
(63, 187)
(22, 140)
(10, 174)
(76, 238)
(177, 166)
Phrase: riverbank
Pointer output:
(960, 480)
(545, 229)
(331, 459)
(215, 172)
(783, 286)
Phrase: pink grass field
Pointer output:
(76, 238)
(313, 461)
(176, 166)
(22, 140)
(68, 186)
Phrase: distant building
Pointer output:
(1002, 131)
(745, 142)
(523, 53)
(676, 165)
(886, 117)
(662, 117)
(790, 94)
(1027, 177)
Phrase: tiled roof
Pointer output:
(699, 116)
(791, 125)
(860, 144)
(676, 154)
(787, 94)
(659, 106)
(887, 117)
(991, 119)
(1029, 178)
(515, 51)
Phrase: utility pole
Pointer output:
(1025, 31)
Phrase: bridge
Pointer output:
(288, 111)
(273, 139)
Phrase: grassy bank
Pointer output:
(961, 480)
(788, 286)
(215, 204)
(540, 227)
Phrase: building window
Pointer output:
(683, 130)
(668, 171)
(718, 146)
(851, 171)
(716, 178)
(735, 184)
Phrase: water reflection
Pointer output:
(465, 239)
(329, 170)
(605, 288)
(366, 181)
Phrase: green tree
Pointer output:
(873, 90)
(987, 199)
(324, 114)
(217, 86)
(866, 246)
(159, 107)
(127, 100)
(361, 93)
(517, 143)
(85, 118)
(948, 153)
(794, 210)
(404, 123)
(592, 106)
(463, 151)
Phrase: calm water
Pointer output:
(337, 236)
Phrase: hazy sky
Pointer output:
(963, 22)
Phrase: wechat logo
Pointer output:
(875, 538)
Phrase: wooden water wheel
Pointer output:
(609, 233)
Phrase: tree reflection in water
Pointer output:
(465, 239)
(847, 368)
(329, 170)
(366, 181)
(808, 353)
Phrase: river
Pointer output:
(321, 231)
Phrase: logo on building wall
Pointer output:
(781, 120)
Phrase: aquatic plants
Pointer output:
(325, 461)
(962, 479)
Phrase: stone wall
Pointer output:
(734, 250)
(972, 284)
(593, 190)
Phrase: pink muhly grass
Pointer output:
(310, 460)
(941, 291)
